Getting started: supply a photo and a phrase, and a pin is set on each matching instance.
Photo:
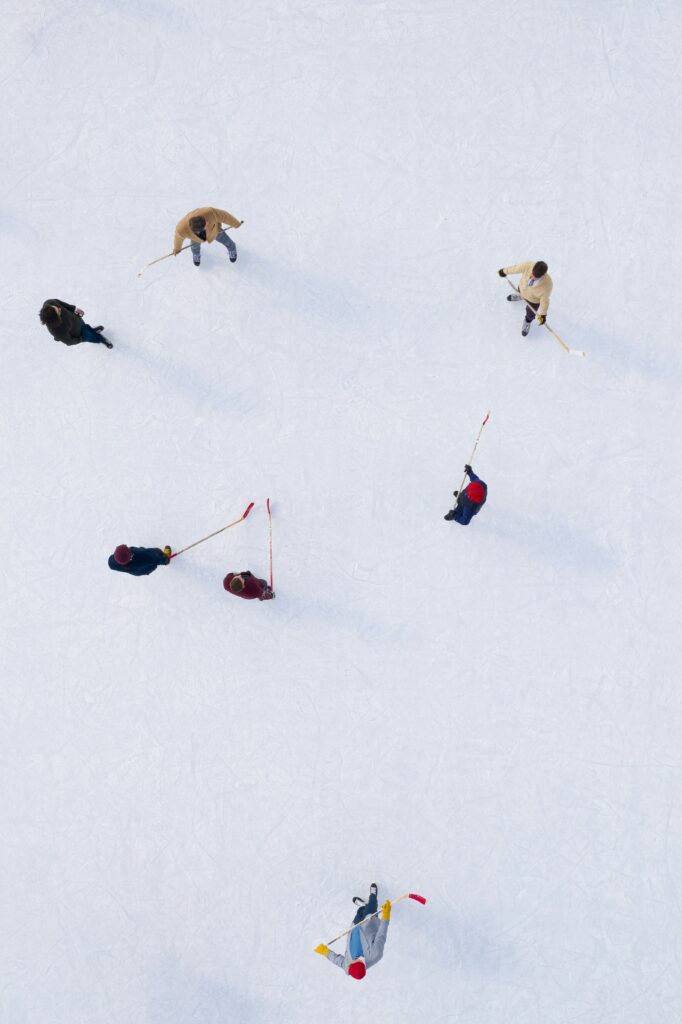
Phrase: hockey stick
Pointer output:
(215, 533)
(407, 895)
(571, 351)
(163, 258)
(270, 542)
(168, 255)
(471, 458)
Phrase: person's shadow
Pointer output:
(552, 540)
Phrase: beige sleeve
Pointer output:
(544, 303)
(226, 218)
(517, 268)
(177, 241)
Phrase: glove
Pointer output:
(386, 911)
(80, 312)
(468, 470)
(167, 551)
(322, 949)
(541, 319)
(502, 273)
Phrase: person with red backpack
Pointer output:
(470, 501)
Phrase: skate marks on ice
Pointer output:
(621, 353)
(310, 293)
(176, 994)
(202, 389)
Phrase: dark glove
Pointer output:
(502, 273)
(468, 470)
(541, 319)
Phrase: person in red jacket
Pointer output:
(246, 585)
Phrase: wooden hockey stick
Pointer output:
(571, 351)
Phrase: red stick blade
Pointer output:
(419, 899)
(248, 510)
(268, 504)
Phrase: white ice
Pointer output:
(194, 787)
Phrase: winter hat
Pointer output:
(476, 492)
(357, 969)
(123, 555)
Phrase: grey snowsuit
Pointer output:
(372, 939)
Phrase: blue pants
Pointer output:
(220, 237)
(355, 944)
(88, 334)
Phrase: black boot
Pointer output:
(359, 902)
(107, 343)
(98, 329)
(450, 515)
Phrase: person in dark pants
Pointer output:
(470, 501)
(365, 946)
(535, 286)
(246, 585)
(138, 561)
(65, 323)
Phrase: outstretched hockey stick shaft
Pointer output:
(571, 351)
(168, 255)
(471, 457)
(406, 896)
(215, 533)
(270, 540)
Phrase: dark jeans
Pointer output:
(362, 913)
(531, 310)
(88, 334)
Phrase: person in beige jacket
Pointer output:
(205, 225)
(535, 287)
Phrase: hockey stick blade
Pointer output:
(419, 899)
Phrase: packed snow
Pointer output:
(195, 787)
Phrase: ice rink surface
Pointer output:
(194, 787)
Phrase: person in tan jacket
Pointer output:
(535, 287)
(205, 225)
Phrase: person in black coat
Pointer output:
(470, 501)
(65, 323)
(138, 561)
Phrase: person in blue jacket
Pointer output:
(138, 561)
(470, 501)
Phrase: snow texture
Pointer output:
(193, 786)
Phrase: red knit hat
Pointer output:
(476, 492)
(357, 969)
(123, 555)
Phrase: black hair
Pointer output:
(48, 315)
(540, 269)
(197, 223)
